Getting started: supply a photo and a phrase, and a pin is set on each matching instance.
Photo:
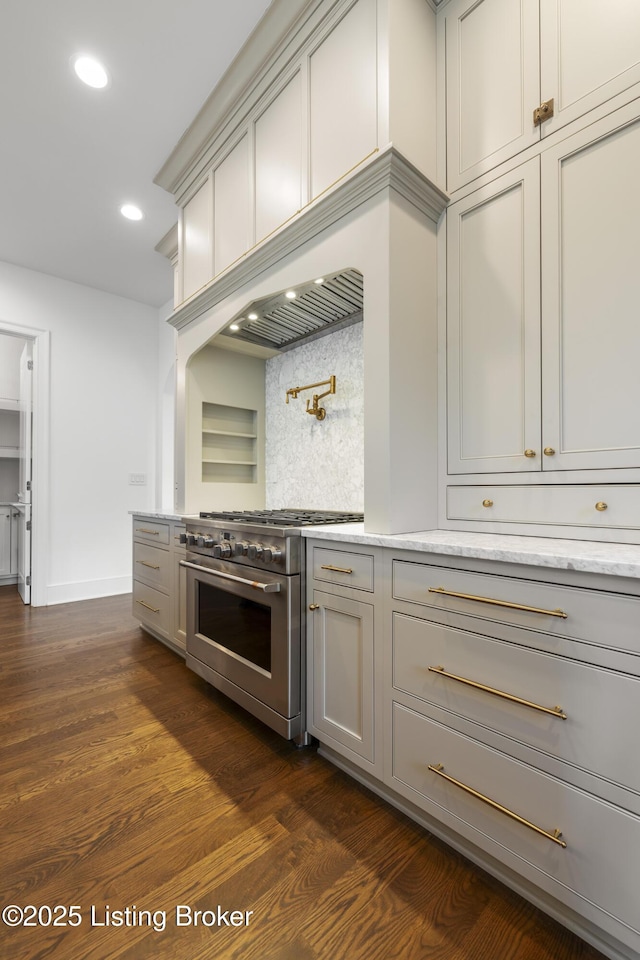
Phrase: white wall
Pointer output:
(102, 426)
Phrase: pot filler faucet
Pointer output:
(318, 412)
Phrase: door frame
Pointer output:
(40, 441)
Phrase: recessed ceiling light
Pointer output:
(131, 212)
(91, 72)
(253, 316)
(319, 280)
(234, 326)
(290, 294)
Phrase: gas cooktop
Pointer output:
(284, 518)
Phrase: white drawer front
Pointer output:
(602, 505)
(600, 860)
(609, 620)
(151, 607)
(343, 567)
(152, 565)
(602, 707)
(152, 531)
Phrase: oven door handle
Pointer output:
(265, 587)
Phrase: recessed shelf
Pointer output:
(228, 444)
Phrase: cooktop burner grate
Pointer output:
(284, 518)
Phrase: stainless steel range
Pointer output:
(245, 628)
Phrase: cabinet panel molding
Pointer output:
(493, 316)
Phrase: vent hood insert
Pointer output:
(280, 322)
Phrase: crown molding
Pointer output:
(282, 23)
(386, 170)
(168, 246)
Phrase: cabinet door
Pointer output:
(343, 675)
(5, 541)
(590, 52)
(493, 326)
(590, 332)
(493, 83)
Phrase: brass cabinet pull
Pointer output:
(336, 569)
(153, 533)
(499, 603)
(601, 505)
(529, 453)
(549, 451)
(555, 836)
(314, 606)
(153, 609)
(487, 503)
(553, 711)
(152, 566)
(543, 112)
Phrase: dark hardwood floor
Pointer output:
(127, 784)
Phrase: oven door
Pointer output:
(243, 637)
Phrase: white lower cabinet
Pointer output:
(159, 582)
(5, 541)
(498, 705)
(343, 699)
(512, 704)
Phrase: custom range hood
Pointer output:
(287, 319)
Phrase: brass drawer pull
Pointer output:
(314, 606)
(553, 711)
(487, 503)
(601, 505)
(529, 453)
(555, 836)
(499, 603)
(152, 566)
(152, 533)
(153, 609)
(336, 569)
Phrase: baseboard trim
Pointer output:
(86, 590)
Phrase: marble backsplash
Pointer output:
(310, 463)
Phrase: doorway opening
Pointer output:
(24, 386)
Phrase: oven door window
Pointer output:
(240, 625)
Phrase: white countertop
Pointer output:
(616, 559)
(156, 515)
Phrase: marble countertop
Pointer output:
(159, 515)
(616, 559)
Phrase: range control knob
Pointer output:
(254, 551)
(271, 554)
(241, 548)
(191, 540)
(203, 541)
(183, 538)
(222, 549)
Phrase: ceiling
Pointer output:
(72, 155)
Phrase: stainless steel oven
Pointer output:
(245, 629)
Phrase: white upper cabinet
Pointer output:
(591, 291)
(492, 78)
(493, 335)
(343, 97)
(278, 163)
(197, 253)
(504, 58)
(232, 207)
(589, 52)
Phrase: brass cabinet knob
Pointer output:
(529, 453)
(487, 503)
(549, 451)
(601, 505)
(314, 606)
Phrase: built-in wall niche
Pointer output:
(229, 444)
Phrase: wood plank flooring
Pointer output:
(127, 785)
